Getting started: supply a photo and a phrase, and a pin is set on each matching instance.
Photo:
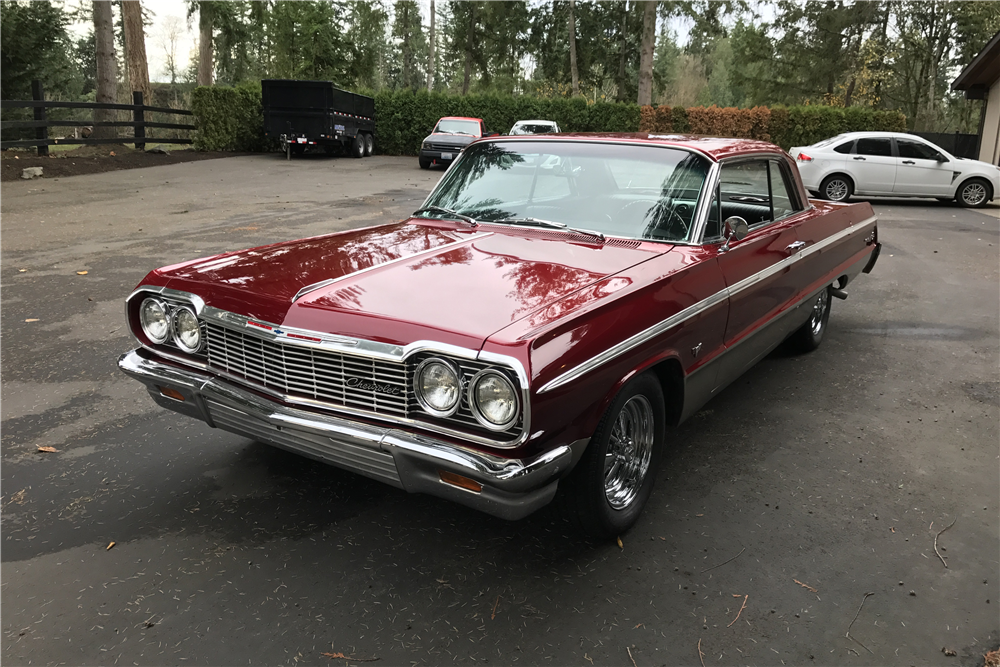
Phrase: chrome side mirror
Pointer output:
(735, 228)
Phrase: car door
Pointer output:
(873, 166)
(921, 170)
(755, 269)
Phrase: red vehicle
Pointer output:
(567, 299)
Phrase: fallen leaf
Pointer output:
(893, 529)
(947, 651)
(620, 545)
(149, 624)
(22, 270)
(806, 586)
(50, 450)
(109, 546)
(31, 319)
(340, 655)
(112, 153)
(16, 157)
(699, 515)
(81, 273)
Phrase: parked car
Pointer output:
(306, 114)
(893, 164)
(449, 138)
(567, 299)
(534, 127)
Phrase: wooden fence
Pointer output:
(41, 124)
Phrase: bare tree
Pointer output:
(171, 31)
(574, 72)
(646, 54)
(107, 68)
(135, 49)
(430, 52)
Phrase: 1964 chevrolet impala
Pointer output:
(556, 304)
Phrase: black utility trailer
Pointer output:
(300, 114)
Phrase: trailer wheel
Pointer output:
(358, 146)
(369, 145)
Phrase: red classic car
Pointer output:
(556, 304)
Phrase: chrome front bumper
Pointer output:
(512, 488)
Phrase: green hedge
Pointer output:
(805, 125)
(231, 118)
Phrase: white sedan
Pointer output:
(534, 127)
(893, 164)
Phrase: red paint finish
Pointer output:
(714, 148)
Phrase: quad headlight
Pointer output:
(494, 400)
(438, 387)
(187, 331)
(154, 320)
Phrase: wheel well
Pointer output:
(989, 186)
(840, 174)
(671, 377)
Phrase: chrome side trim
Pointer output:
(330, 281)
(353, 346)
(692, 311)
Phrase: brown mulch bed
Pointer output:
(94, 160)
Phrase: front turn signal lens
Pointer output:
(460, 481)
(171, 393)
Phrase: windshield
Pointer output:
(447, 126)
(642, 192)
(533, 128)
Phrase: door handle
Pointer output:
(908, 162)
(798, 245)
(859, 158)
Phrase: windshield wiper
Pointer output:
(447, 211)
(548, 224)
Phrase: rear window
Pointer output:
(827, 142)
(844, 148)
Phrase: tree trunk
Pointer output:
(646, 56)
(107, 67)
(623, 33)
(205, 50)
(407, 52)
(135, 49)
(468, 48)
(430, 53)
(574, 72)
(850, 92)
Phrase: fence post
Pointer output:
(41, 133)
(138, 117)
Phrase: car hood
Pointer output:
(404, 282)
(450, 139)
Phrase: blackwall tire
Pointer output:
(358, 147)
(369, 145)
(607, 491)
(424, 164)
(837, 188)
(810, 335)
(974, 193)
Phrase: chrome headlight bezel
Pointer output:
(158, 340)
(175, 325)
(477, 412)
(421, 399)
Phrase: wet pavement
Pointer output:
(811, 482)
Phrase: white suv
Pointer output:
(893, 164)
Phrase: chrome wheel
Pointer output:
(973, 194)
(836, 190)
(816, 321)
(630, 450)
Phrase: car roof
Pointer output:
(478, 120)
(716, 148)
(526, 122)
(857, 135)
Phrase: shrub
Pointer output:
(229, 119)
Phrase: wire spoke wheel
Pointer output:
(629, 453)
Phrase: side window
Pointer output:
(744, 192)
(781, 193)
(873, 146)
(844, 148)
(915, 149)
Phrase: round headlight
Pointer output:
(494, 400)
(187, 331)
(437, 386)
(154, 321)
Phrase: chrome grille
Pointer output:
(322, 375)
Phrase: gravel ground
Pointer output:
(809, 484)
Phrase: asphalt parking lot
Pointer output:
(809, 484)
